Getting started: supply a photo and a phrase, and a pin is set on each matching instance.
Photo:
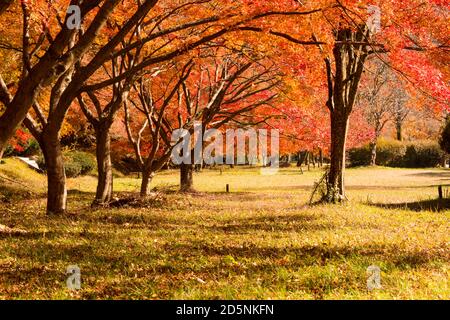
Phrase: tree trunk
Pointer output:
(186, 177)
(373, 153)
(399, 131)
(104, 166)
(147, 177)
(339, 130)
(321, 157)
(349, 60)
(56, 176)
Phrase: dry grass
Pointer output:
(259, 242)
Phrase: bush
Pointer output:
(86, 161)
(359, 157)
(423, 154)
(445, 137)
(22, 145)
(390, 153)
(76, 163)
(419, 154)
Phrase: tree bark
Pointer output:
(186, 177)
(399, 131)
(147, 177)
(349, 60)
(104, 166)
(373, 153)
(336, 185)
(321, 157)
(56, 175)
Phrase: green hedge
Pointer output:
(424, 154)
(392, 153)
(359, 157)
(445, 137)
(76, 163)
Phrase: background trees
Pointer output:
(382, 99)
(253, 63)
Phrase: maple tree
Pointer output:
(320, 47)
(54, 61)
(381, 99)
(152, 100)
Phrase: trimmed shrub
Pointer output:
(423, 154)
(76, 163)
(86, 161)
(359, 157)
(444, 141)
(392, 153)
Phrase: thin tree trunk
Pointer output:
(321, 157)
(104, 166)
(373, 153)
(308, 160)
(186, 177)
(56, 176)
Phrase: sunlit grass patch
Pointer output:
(260, 241)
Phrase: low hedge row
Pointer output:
(76, 163)
(391, 153)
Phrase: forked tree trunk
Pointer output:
(56, 176)
(186, 177)
(104, 166)
(350, 53)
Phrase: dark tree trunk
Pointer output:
(336, 186)
(56, 176)
(301, 158)
(104, 166)
(147, 177)
(350, 54)
(321, 157)
(307, 160)
(186, 177)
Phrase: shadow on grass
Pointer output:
(425, 205)
(273, 223)
(104, 253)
(10, 194)
(432, 174)
(79, 192)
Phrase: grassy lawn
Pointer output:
(261, 241)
